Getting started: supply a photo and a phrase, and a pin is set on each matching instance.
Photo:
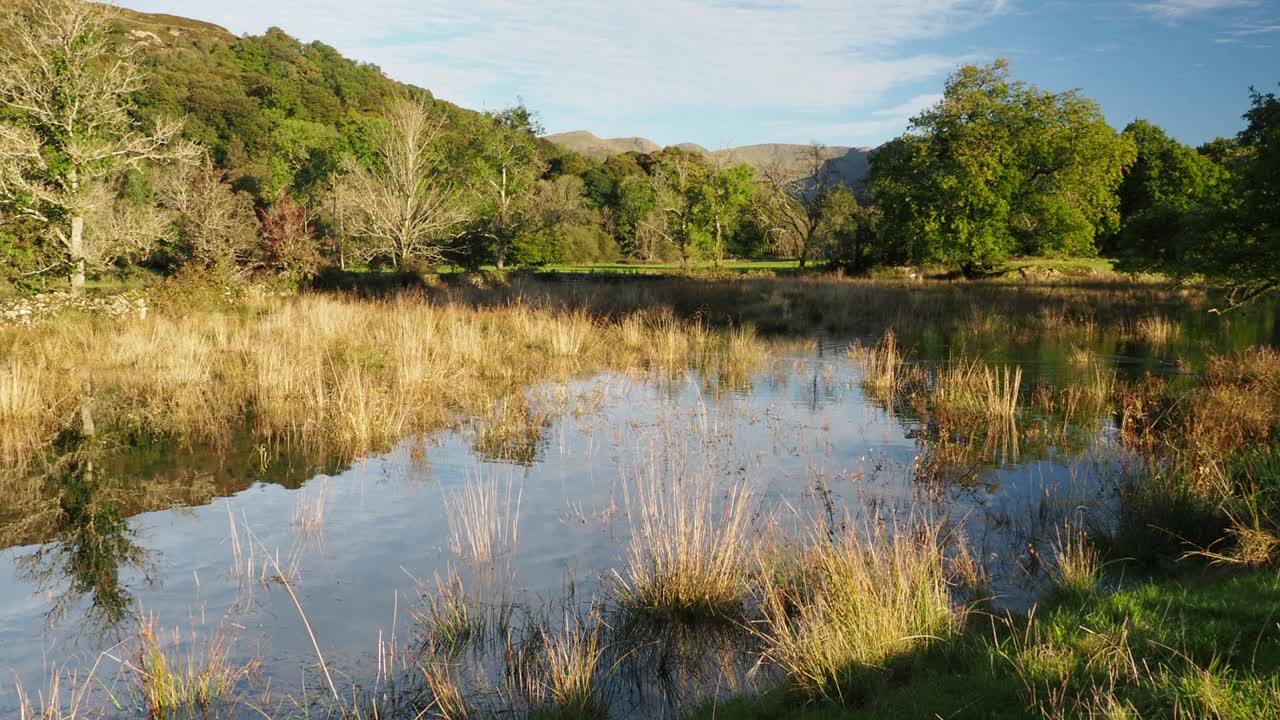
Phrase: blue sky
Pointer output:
(735, 72)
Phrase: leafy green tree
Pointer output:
(506, 168)
(1160, 194)
(677, 177)
(1000, 167)
(719, 200)
(1231, 237)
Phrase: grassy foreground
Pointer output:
(1201, 644)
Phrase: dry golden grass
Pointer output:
(341, 376)
(973, 390)
(572, 661)
(882, 366)
(1157, 331)
(66, 695)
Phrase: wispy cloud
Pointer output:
(589, 62)
(1179, 9)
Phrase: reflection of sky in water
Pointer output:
(803, 424)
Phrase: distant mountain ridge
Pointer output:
(848, 164)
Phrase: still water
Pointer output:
(360, 542)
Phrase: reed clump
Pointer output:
(882, 365)
(571, 660)
(1157, 331)
(689, 552)
(1076, 561)
(972, 390)
(840, 607)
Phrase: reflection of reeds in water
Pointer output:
(836, 608)
(309, 509)
(484, 519)
(688, 552)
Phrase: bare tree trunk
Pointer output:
(77, 254)
(719, 249)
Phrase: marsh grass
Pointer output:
(176, 673)
(24, 415)
(843, 607)
(974, 390)
(1157, 331)
(1076, 561)
(337, 376)
(882, 366)
(572, 659)
(690, 550)
(66, 695)
(447, 620)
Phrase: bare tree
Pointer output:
(402, 205)
(65, 93)
(116, 228)
(216, 224)
(792, 203)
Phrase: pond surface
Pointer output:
(360, 542)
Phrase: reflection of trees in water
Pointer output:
(92, 540)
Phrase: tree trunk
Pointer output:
(718, 251)
(77, 254)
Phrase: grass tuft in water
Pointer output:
(843, 606)
(689, 553)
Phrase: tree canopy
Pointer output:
(999, 167)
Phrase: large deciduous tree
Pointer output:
(676, 175)
(66, 128)
(1162, 196)
(999, 167)
(401, 203)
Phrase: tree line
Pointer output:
(265, 156)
